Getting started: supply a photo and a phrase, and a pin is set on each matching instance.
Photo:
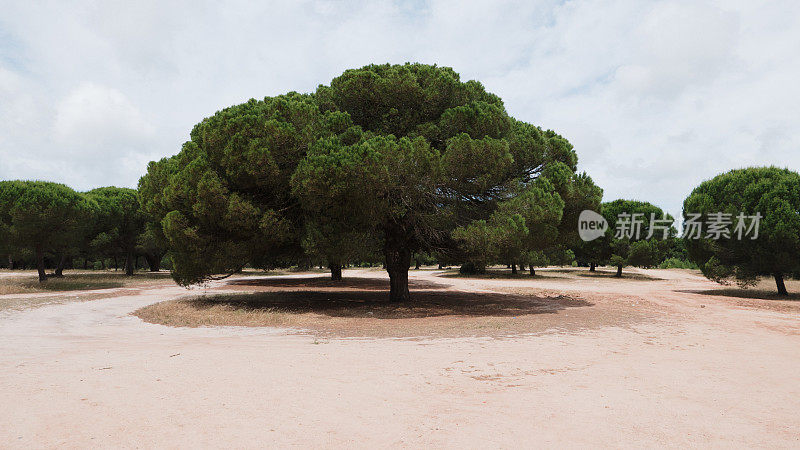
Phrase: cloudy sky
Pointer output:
(655, 96)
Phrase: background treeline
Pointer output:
(49, 226)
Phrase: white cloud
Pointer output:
(655, 96)
(94, 119)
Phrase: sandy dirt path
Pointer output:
(89, 374)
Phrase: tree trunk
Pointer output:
(85, 263)
(129, 261)
(59, 272)
(153, 262)
(40, 264)
(416, 264)
(513, 269)
(780, 284)
(533, 271)
(336, 271)
(619, 272)
(398, 260)
(592, 266)
(398, 284)
(440, 266)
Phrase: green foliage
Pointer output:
(118, 222)
(636, 250)
(521, 230)
(42, 217)
(477, 239)
(424, 259)
(471, 268)
(441, 167)
(770, 191)
(435, 153)
(645, 254)
(676, 263)
(391, 159)
(224, 201)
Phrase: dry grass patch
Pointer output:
(505, 274)
(765, 290)
(763, 295)
(68, 283)
(357, 308)
(562, 273)
(210, 311)
(325, 283)
(21, 289)
(32, 301)
(27, 282)
(584, 272)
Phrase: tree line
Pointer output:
(44, 224)
(387, 164)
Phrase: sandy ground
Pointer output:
(702, 370)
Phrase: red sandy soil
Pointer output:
(665, 358)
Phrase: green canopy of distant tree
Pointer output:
(42, 217)
(773, 193)
(118, 223)
(636, 246)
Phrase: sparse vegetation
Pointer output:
(676, 263)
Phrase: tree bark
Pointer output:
(336, 271)
(416, 264)
(619, 272)
(592, 266)
(62, 261)
(398, 260)
(533, 271)
(129, 261)
(40, 264)
(440, 266)
(398, 284)
(513, 269)
(780, 284)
